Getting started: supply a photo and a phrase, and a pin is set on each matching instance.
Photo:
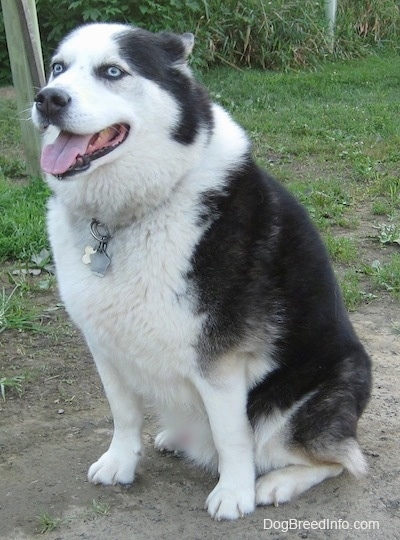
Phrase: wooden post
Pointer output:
(24, 49)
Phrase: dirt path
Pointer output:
(61, 424)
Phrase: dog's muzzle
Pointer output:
(72, 153)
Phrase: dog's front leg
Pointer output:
(118, 464)
(225, 402)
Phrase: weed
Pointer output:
(388, 233)
(48, 523)
(100, 508)
(387, 275)
(11, 383)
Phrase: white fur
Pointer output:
(282, 485)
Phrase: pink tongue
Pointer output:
(59, 156)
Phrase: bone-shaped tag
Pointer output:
(89, 251)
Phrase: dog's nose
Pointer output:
(50, 101)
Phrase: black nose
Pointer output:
(52, 101)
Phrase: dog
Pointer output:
(198, 281)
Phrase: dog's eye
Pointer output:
(111, 72)
(57, 68)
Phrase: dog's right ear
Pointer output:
(188, 43)
(177, 47)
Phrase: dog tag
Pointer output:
(88, 253)
(99, 262)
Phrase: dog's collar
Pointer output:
(98, 257)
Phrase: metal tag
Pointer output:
(99, 263)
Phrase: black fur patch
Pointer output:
(261, 270)
(155, 57)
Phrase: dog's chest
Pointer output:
(142, 310)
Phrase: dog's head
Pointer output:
(120, 93)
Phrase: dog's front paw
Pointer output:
(113, 468)
(230, 502)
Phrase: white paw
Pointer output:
(172, 441)
(230, 502)
(165, 441)
(113, 468)
(276, 487)
(282, 485)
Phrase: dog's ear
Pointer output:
(177, 47)
(188, 43)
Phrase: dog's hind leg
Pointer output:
(118, 464)
(282, 485)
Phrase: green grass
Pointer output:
(341, 249)
(331, 136)
(10, 133)
(22, 200)
(100, 508)
(22, 218)
(347, 112)
(16, 311)
(48, 523)
(353, 289)
(11, 383)
(387, 275)
(326, 200)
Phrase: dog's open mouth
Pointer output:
(71, 154)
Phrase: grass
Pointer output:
(22, 218)
(48, 523)
(22, 200)
(387, 275)
(332, 136)
(11, 383)
(100, 508)
(16, 312)
(346, 112)
(341, 249)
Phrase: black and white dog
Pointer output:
(199, 283)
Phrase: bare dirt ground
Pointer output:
(61, 424)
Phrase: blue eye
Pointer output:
(57, 68)
(114, 72)
(111, 72)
